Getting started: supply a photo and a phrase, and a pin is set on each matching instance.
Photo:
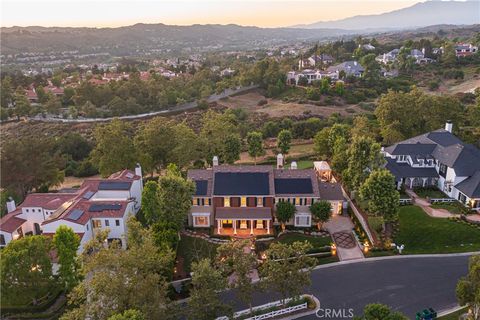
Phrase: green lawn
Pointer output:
(316, 242)
(194, 249)
(421, 233)
(430, 192)
(305, 164)
(453, 207)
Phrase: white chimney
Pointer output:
(11, 205)
(279, 161)
(138, 170)
(293, 165)
(449, 126)
(215, 161)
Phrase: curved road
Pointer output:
(407, 284)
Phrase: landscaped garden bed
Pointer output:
(193, 249)
(421, 233)
(453, 207)
(429, 192)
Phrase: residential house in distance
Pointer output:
(440, 159)
(367, 47)
(315, 60)
(227, 72)
(390, 57)
(351, 68)
(465, 49)
(97, 204)
(293, 77)
(240, 200)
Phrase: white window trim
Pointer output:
(303, 215)
(201, 214)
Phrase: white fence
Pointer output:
(405, 201)
(279, 312)
(441, 200)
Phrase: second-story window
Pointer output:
(243, 202)
(226, 202)
(97, 223)
(107, 223)
(260, 202)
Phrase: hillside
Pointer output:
(142, 37)
(419, 15)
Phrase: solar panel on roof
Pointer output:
(97, 207)
(114, 185)
(201, 189)
(293, 186)
(241, 183)
(75, 214)
(88, 195)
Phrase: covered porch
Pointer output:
(243, 221)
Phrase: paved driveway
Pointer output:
(340, 227)
(405, 284)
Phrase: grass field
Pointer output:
(421, 233)
(194, 249)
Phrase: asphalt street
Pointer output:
(406, 284)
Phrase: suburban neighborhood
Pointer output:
(246, 160)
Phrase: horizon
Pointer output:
(98, 14)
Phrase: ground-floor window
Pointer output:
(461, 197)
(2, 240)
(201, 221)
(302, 220)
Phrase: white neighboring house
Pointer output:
(367, 47)
(390, 57)
(438, 158)
(96, 205)
(293, 77)
(465, 49)
(227, 72)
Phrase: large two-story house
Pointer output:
(96, 205)
(438, 158)
(241, 200)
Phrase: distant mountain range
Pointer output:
(419, 15)
(140, 39)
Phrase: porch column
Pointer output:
(268, 226)
(424, 181)
(251, 226)
(219, 225)
(411, 183)
(234, 226)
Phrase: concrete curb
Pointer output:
(449, 311)
(411, 256)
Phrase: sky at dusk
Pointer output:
(114, 13)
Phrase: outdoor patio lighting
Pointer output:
(264, 256)
(366, 247)
(333, 248)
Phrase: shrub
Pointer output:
(433, 85)
(263, 102)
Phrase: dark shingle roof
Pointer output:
(412, 149)
(241, 183)
(403, 170)
(330, 191)
(470, 186)
(293, 186)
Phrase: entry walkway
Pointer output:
(426, 206)
(340, 228)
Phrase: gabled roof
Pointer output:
(48, 201)
(404, 170)
(10, 222)
(330, 191)
(470, 186)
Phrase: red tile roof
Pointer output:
(49, 201)
(10, 222)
